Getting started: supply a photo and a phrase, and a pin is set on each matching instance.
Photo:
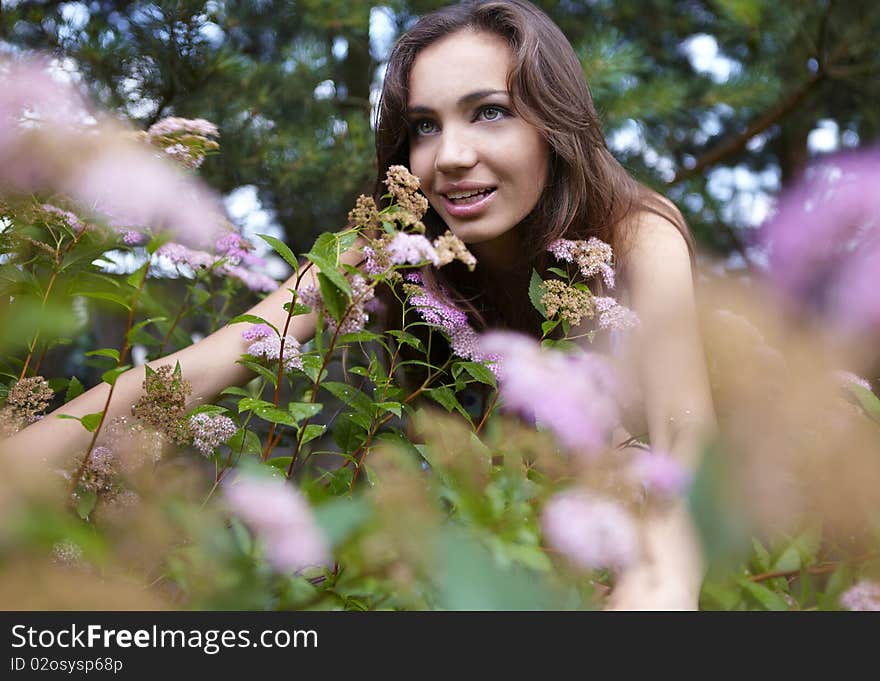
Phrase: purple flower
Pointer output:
(863, 595)
(257, 331)
(132, 238)
(282, 519)
(574, 395)
(236, 249)
(209, 432)
(355, 317)
(255, 281)
(660, 473)
(411, 249)
(592, 257)
(593, 532)
(268, 346)
(69, 218)
(177, 126)
(448, 319)
(182, 255)
(824, 240)
(613, 315)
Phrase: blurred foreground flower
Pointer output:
(863, 595)
(50, 142)
(825, 240)
(574, 395)
(279, 515)
(591, 531)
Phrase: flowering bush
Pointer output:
(354, 470)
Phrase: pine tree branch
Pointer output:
(737, 143)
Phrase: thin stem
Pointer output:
(74, 481)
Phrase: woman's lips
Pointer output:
(468, 210)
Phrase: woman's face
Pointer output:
(482, 168)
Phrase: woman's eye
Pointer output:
(423, 127)
(492, 113)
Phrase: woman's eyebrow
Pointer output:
(467, 99)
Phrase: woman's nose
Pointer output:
(455, 151)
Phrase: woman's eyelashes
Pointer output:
(489, 113)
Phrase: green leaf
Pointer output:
(329, 270)
(536, 292)
(85, 504)
(253, 319)
(257, 368)
(90, 421)
(104, 295)
(280, 462)
(556, 270)
(479, 372)
(304, 410)
(393, 407)
(768, 599)
(136, 278)
(245, 442)
(74, 389)
(312, 431)
(112, 353)
(548, 326)
(275, 415)
(359, 337)
(281, 249)
(335, 300)
(235, 390)
(350, 395)
(407, 339)
(869, 401)
(445, 397)
(111, 375)
(135, 335)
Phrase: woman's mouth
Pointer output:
(471, 203)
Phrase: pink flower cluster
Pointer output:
(593, 532)
(236, 249)
(177, 126)
(50, 143)
(660, 474)
(265, 343)
(863, 595)
(69, 218)
(282, 519)
(613, 315)
(411, 249)
(209, 432)
(576, 396)
(592, 257)
(196, 259)
(464, 341)
(824, 240)
(355, 318)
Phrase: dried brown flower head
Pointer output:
(570, 302)
(404, 187)
(163, 404)
(365, 213)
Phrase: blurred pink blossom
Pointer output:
(574, 395)
(278, 514)
(592, 531)
(863, 595)
(49, 141)
(660, 474)
(824, 239)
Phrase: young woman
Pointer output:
(486, 103)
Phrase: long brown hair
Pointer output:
(588, 192)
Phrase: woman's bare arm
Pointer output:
(670, 363)
(209, 365)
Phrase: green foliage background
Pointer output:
(253, 68)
